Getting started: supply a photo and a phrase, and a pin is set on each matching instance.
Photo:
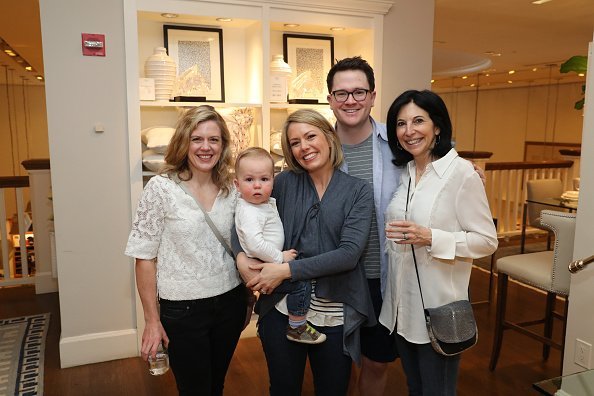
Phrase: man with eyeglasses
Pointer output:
(351, 84)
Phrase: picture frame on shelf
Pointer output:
(310, 58)
(198, 54)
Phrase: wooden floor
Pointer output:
(520, 363)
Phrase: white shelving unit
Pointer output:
(249, 42)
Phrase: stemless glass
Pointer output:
(159, 365)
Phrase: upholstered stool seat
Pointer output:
(547, 271)
(528, 269)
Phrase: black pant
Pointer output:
(330, 367)
(203, 335)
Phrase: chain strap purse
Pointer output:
(451, 327)
(251, 298)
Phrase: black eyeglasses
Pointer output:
(359, 95)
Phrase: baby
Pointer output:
(260, 232)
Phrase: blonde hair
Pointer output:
(253, 152)
(313, 118)
(176, 157)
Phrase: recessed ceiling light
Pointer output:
(535, 69)
(464, 77)
(337, 28)
(510, 82)
(224, 19)
(28, 68)
(169, 15)
(291, 25)
(581, 74)
(40, 78)
(487, 75)
(432, 81)
(492, 53)
(539, 2)
(511, 72)
(472, 85)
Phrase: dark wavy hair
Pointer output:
(438, 112)
(354, 63)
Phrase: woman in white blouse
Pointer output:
(448, 223)
(180, 261)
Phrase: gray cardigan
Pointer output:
(345, 211)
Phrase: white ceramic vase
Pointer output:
(280, 71)
(161, 67)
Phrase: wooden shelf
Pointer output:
(162, 103)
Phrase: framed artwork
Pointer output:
(310, 58)
(198, 54)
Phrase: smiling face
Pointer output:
(416, 132)
(351, 113)
(206, 146)
(309, 147)
(254, 179)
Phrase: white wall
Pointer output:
(22, 116)
(90, 179)
(507, 117)
(407, 50)
(580, 323)
(23, 129)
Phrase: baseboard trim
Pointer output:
(97, 347)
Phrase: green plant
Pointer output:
(578, 64)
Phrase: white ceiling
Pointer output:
(526, 35)
(21, 29)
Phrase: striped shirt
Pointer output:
(359, 158)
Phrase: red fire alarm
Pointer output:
(93, 44)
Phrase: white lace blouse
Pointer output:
(169, 225)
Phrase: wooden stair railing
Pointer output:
(506, 188)
(8, 276)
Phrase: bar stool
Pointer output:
(546, 271)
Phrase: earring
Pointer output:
(398, 145)
(437, 139)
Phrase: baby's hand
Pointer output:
(289, 255)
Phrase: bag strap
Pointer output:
(212, 226)
(412, 248)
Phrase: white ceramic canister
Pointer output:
(161, 67)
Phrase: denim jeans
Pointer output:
(286, 359)
(298, 297)
(203, 335)
(427, 372)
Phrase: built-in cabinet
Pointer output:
(250, 40)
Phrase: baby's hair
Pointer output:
(253, 152)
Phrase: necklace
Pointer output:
(421, 171)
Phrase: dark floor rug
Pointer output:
(22, 350)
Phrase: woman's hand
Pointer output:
(152, 336)
(244, 264)
(271, 275)
(406, 232)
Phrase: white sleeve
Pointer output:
(148, 224)
(249, 224)
(478, 237)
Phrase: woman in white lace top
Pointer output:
(181, 263)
